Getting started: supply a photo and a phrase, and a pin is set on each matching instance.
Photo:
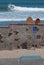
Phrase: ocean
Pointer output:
(22, 10)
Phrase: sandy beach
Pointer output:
(21, 52)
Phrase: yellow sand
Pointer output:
(20, 52)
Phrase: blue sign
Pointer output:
(30, 57)
(35, 29)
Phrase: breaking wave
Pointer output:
(19, 8)
(19, 13)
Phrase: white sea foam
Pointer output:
(2, 20)
(25, 8)
(22, 13)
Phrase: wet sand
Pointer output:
(14, 61)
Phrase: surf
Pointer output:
(19, 8)
(18, 13)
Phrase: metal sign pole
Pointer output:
(34, 32)
(34, 37)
